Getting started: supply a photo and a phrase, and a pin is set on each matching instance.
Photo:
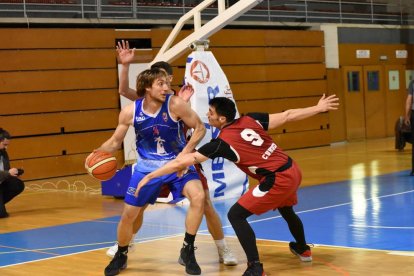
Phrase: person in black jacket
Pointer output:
(10, 183)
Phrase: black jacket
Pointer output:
(6, 163)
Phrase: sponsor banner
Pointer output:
(204, 73)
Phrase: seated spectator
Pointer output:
(10, 183)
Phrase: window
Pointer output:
(373, 81)
(353, 81)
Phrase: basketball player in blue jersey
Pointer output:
(226, 256)
(158, 119)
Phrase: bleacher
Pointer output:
(311, 11)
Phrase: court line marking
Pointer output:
(331, 206)
(382, 227)
(326, 246)
(141, 240)
(146, 224)
(70, 254)
(26, 250)
(402, 253)
(252, 221)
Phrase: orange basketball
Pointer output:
(102, 165)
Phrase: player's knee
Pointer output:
(235, 214)
(286, 212)
(238, 213)
(199, 198)
(128, 216)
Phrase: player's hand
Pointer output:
(186, 92)
(89, 157)
(141, 184)
(328, 103)
(125, 55)
(182, 172)
(258, 193)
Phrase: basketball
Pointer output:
(101, 165)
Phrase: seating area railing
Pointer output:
(387, 12)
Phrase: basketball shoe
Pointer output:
(226, 256)
(254, 269)
(118, 263)
(187, 259)
(305, 255)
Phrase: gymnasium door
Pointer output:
(354, 102)
(365, 107)
(374, 101)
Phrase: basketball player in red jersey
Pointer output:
(245, 142)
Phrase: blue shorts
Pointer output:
(150, 192)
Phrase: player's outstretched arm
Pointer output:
(183, 161)
(325, 104)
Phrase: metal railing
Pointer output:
(388, 12)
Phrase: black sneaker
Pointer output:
(305, 254)
(187, 258)
(118, 263)
(254, 269)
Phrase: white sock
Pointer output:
(133, 238)
(221, 244)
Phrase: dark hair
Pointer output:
(163, 65)
(146, 78)
(4, 134)
(224, 107)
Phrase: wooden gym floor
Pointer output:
(356, 203)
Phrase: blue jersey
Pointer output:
(159, 138)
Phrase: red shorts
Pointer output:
(203, 178)
(282, 194)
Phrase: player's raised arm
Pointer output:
(291, 115)
(125, 57)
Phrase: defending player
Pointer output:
(246, 142)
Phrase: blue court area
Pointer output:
(373, 213)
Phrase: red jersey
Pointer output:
(253, 147)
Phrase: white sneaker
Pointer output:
(114, 248)
(227, 257)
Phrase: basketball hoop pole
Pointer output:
(224, 17)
